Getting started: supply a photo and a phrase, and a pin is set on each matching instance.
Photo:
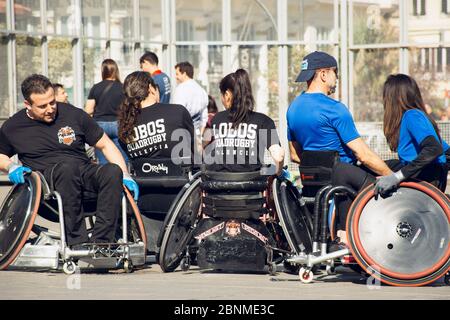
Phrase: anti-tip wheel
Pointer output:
(306, 275)
(69, 267)
(273, 269)
(447, 279)
(128, 266)
(331, 270)
(185, 264)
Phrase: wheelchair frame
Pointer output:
(55, 249)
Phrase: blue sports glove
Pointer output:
(131, 185)
(285, 174)
(16, 173)
(386, 184)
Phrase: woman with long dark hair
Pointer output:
(413, 134)
(146, 126)
(239, 134)
(103, 103)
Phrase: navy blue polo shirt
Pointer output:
(318, 122)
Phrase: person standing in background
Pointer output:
(192, 96)
(104, 101)
(212, 110)
(149, 63)
(60, 93)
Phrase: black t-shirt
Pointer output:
(108, 96)
(241, 149)
(153, 132)
(40, 145)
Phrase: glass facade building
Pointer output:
(68, 39)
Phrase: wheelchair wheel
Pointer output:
(294, 218)
(402, 240)
(17, 216)
(178, 227)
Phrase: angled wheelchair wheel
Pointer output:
(178, 227)
(136, 230)
(295, 218)
(402, 240)
(17, 216)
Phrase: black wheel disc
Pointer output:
(17, 216)
(294, 218)
(179, 226)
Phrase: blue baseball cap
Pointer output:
(314, 61)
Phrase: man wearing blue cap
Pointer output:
(318, 122)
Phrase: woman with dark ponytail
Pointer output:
(145, 125)
(239, 134)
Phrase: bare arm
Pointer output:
(295, 151)
(5, 162)
(90, 107)
(368, 158)
(111, 153)
(277, 153)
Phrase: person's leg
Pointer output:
(66, 179)
(106, 181)
(348, 175)
(98, 154)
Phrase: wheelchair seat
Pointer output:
(316, 169)
(234, 195)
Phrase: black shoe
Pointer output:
(336, 245)
(80, 247)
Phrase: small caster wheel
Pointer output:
(306, 275)
(331, 270)
(273, 269)
(185, 264)
(69, 267)
(447, 279)
(128, 266)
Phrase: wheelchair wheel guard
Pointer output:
(17, 217)
(178, 226)
(402, 240)
(294, 218)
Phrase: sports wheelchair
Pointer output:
(401, 240)
(160, 182)
(32, 232)
(253, 221)
(230, 222)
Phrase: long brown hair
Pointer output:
(400, 94)
(238, 83)
(136, 89)
(110, 70)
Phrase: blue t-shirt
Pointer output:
(414, 128)
(162, 80)
(318, 122)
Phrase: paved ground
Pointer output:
(151, 283)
